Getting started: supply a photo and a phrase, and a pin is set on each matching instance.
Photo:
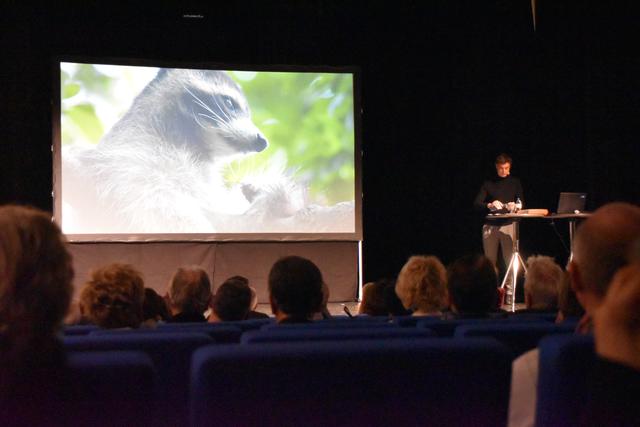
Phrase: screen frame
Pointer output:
(355, 71)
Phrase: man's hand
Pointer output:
(495, 205)
(617, 320)
(511, 206)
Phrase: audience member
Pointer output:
(35, 291)
(373, 303)
(232, 300)
(422, 286)
(295, 289)
(113, 297)
(323, 313)
(154, 308)
(379, 298)
(614, 382)
(254, 313)
(541, 284)
(473, 287)
(600, 248)
(568, 305)
(189, 294)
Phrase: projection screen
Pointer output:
(216, 153)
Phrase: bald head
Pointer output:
(603, 244)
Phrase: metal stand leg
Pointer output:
(513, 270)
(514, 265)
(572, 232)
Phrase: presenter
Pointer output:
(500, 195)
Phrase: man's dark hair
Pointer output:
(380, 299)
(295, 286)
(232, 300)
(503, 158)
(154, 306)
(473, 285)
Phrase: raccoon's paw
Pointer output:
(276, 200)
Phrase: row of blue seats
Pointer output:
(172, 345)
(228, 331)
(518, 336)
(417, 381)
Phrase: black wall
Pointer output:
(446, 86)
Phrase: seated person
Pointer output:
(154, 308)
(189, 294)
(232, 300)
(379, 298)
(422, 286)
(602, 247)
(614, 382)
(295, 289)
(113, 297)
(323, 313)
(35, 291)
(568, 305)
(541, 285)
(254, 314)
(473, 287)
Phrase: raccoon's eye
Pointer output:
(229, 103)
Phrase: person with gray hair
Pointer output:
(541, 283)
(603, 245)
(189, 294)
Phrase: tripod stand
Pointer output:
(515, 264)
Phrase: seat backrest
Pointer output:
(244, 325)
(330, 325)
(331, 334)
(219, 332)
(447, 327)
(171, 354)
(518, 337)
(365, 382)
(112, 388)
(565, 361)
(78, 329)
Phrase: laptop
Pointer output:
(569, 203)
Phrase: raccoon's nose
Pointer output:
(260, 143)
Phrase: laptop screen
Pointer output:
(571, 202)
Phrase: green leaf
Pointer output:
(85, 118)
(69, 90)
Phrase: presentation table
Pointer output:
(516, 263)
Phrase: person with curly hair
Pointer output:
(422, 285)
(113, 297)
(35, 292)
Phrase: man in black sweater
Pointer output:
(502, 194)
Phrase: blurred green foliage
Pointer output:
(307, 118)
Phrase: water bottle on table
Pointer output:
(518, 204)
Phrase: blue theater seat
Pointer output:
(78, 329)
(112, 388)
(447, 327)
(244, 325)
(520, 337)
(404, 382)
(330, 325)
(565, 361)
(171, 354)
(221, 333)
(331, 334)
